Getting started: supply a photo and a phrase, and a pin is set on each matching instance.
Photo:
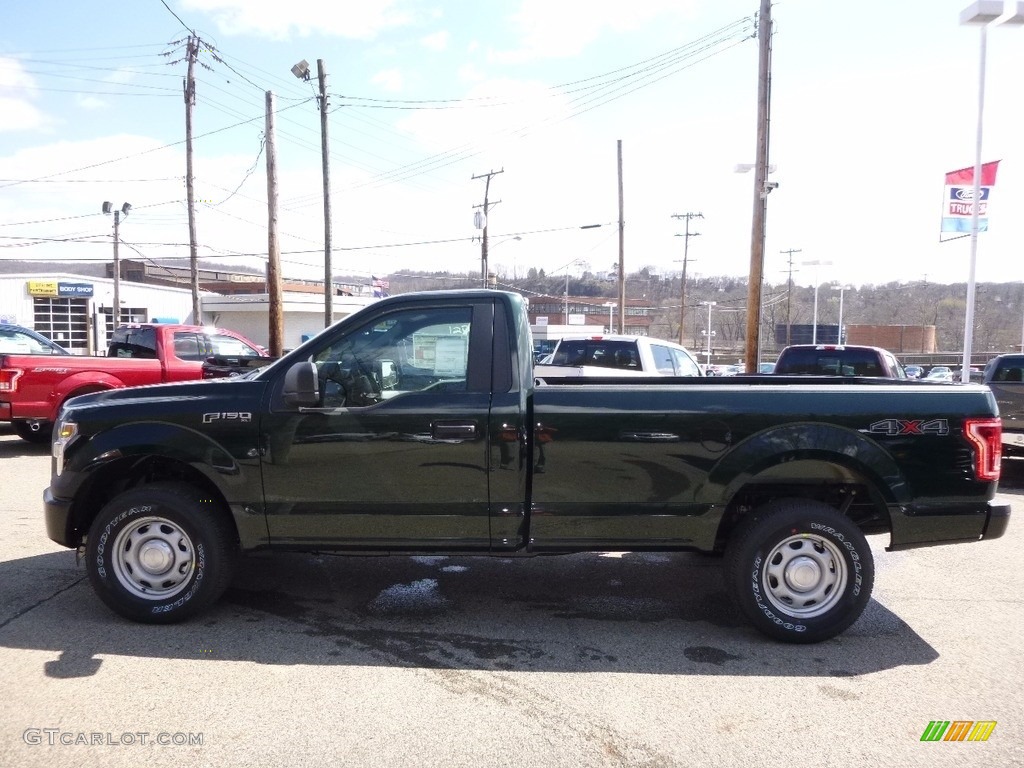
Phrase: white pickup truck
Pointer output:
(617, 356)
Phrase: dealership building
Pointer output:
(73, 304)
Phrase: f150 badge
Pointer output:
(237, 416)
(895, 427)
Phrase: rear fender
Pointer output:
(81, 384)
(821, 451)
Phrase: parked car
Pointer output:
(32, 390)
(1004, 375)
(939, 373)
(17, 340)
(617, 355)
(379, 436)
(766, 368)
(838, 360)
(914, 371)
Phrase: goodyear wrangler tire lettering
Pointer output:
(800, 571)
(159, 554)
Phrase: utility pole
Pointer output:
(789, 295)
(622, 249)
(274, 295)
(192, 51)
(325, 162)
(686, 251)
(482, 221)
(761, 188)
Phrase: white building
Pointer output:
(75, 310)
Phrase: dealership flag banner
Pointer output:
(958, 200)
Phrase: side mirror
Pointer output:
(301, 385)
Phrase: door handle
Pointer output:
(453, 430)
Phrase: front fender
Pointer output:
(822, 450)
(221, 464)
(226, 466)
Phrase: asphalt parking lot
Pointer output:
(588, 660)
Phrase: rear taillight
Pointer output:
(986, 435)
(9, 379)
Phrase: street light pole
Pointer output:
(982, 13)
(709, 305)
(840, 288)
(108, 208)
(611, 322)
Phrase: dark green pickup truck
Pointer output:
(416, 425)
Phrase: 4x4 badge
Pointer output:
(893, 427)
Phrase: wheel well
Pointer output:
(856, 500)
(133, 472)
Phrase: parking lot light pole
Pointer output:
(982, 14)
(841, 288)
(108, 207)
(709, 305)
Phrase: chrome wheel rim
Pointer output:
(804, 575)
(153, 558)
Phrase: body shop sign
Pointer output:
(54, 288)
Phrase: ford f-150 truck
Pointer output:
(618, 355)
(417, 425)
(1004, 375)
(837, 360)
(33, 388)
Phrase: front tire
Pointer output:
(160, 553)
(800, 571)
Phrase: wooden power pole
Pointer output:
(686, 254)
(325, 163)
(761, 188)
(485, 208)
(192, 49)
(622, 247)
(274, 302)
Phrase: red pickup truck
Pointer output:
(33, 387)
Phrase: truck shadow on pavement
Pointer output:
(632, 613)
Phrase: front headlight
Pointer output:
(63, 435)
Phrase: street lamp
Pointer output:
(841, 288)
(983, 14)
(611, 323)
(108, 207)
(709, 305)
(301, 71)
(815, 263)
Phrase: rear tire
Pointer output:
(160, 553)
(800, 571)
(39, 436)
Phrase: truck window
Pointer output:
(663, 363)
(409, 351)
(685, 365)
(133, 342)
(188, 346)
(597, 352)
(229, 346)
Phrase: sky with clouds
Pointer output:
(871, 104)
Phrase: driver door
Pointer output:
(394, 455)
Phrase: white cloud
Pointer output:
(17, 88)
(437, 41)
(19, 115)
(563, 28)
(470, 73)
(389, 79)
(90, 102)
(280, 21)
